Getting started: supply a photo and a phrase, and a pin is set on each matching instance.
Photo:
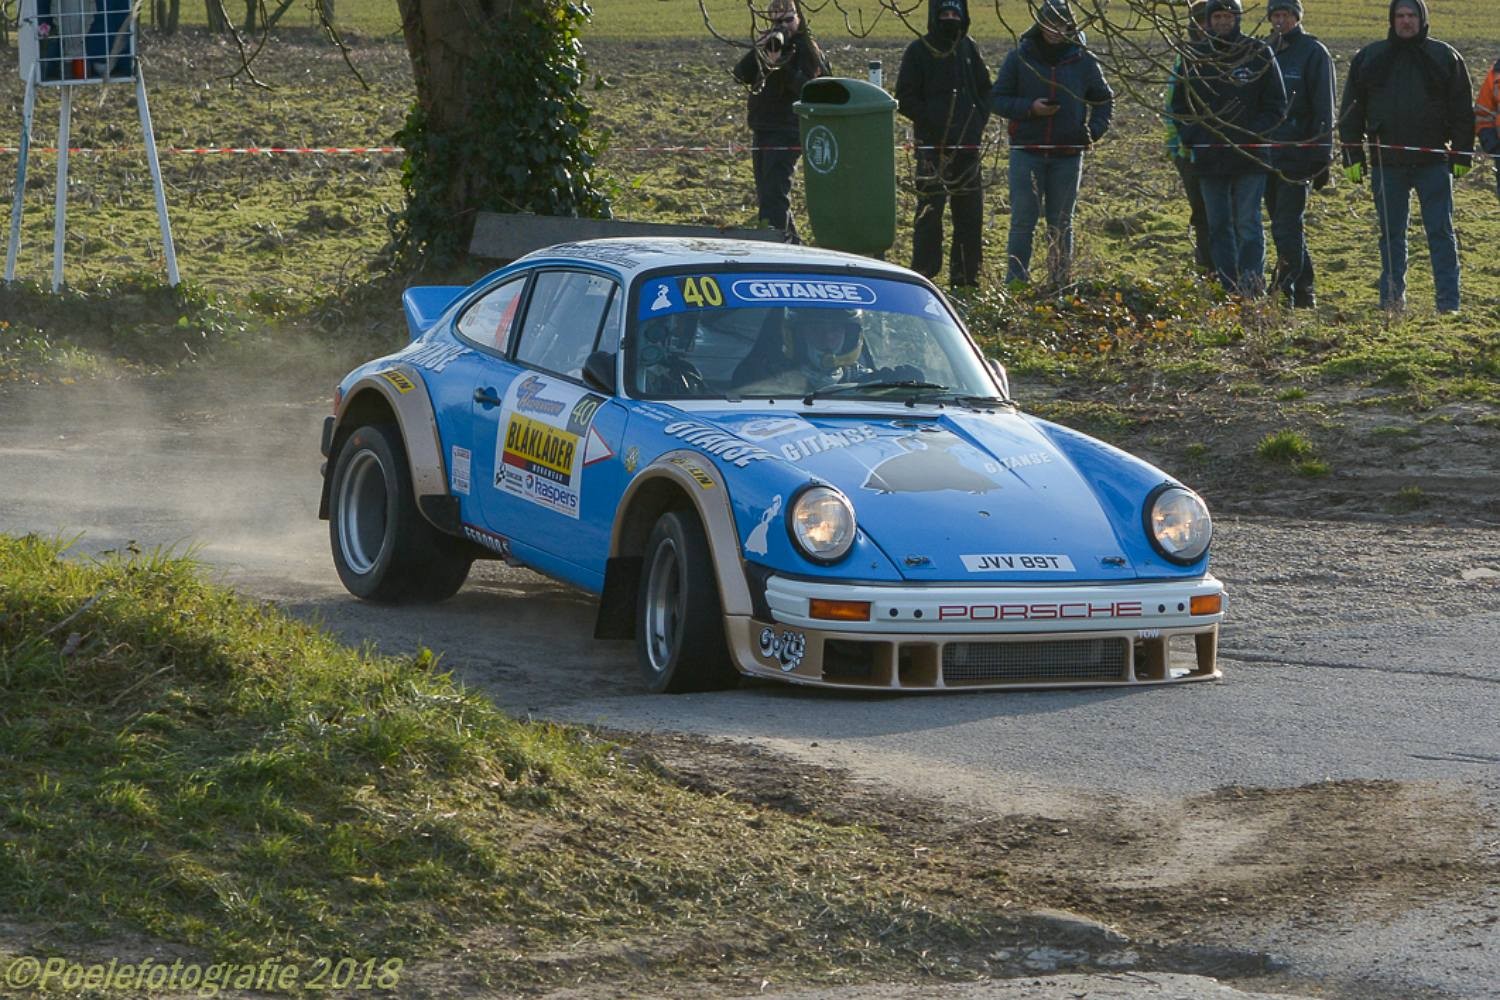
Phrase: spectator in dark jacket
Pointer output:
(943, 86)
(1303, 162)
(1228, 101)
(1408, 97)
(1197, 215)
(1053, 91)
(784, 57)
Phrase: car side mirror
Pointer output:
(599, 371)
(1001, 376)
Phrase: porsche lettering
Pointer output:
(1071, 611)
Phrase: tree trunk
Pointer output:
(445, 40)
(165, 15)
(499, 122)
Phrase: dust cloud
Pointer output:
(221, 464)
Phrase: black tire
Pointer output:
(384, 549)
(679, 621)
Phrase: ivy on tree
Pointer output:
(499, 123)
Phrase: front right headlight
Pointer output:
(822, 524)
(1178, 524)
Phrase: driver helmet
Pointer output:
(666, 337)
(824, 341)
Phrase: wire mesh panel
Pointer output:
(1035, 662)
(77, 41)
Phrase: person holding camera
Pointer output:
(783, 58)
(1053, 92)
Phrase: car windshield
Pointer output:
(737, 336)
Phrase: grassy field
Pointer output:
(1346, 21)
(882, 20)
(179, 764)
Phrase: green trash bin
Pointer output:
(849, 164)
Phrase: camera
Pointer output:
(774, 41)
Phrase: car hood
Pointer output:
(961, 495)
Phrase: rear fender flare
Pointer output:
(405, 395)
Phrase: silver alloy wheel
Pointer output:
(664, 596)
(362, 511)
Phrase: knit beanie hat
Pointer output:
(1295, 6)
(950, 6)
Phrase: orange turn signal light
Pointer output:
(839, 611)
(1206, 604)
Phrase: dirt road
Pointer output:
(1324, 820)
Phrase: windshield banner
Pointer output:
(677, 293)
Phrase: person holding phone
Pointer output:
(1054, 94)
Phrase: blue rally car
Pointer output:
(765, 460)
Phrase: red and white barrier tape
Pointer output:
(732, 149)
(222, 150)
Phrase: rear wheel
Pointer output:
(679, 621)
(383, 549)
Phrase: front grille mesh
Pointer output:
(1053, 660)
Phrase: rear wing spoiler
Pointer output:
(425, 305)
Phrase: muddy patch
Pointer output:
(1168, 885)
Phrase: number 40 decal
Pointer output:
(702, 292)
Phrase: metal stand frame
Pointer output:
(60, 204)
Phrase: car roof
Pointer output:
(633, 256)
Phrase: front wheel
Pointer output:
(383, 548)
(679, 621)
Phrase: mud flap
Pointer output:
(443, 511)
(622, 580)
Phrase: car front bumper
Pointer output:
(946, 638)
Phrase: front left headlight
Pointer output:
(822, 524)
(1178, 524)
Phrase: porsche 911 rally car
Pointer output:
(765, 460)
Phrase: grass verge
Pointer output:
(178, 763)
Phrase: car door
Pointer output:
(552, 486)
(473, 382)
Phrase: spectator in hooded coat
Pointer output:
(1203, 257)
(1226, 104)
(943, 87)
(1410, 91)
(1053, 91)
(1305, 153)
(784, 57)
(1487, 119)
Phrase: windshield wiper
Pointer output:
(971, 400)
(842, 388)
